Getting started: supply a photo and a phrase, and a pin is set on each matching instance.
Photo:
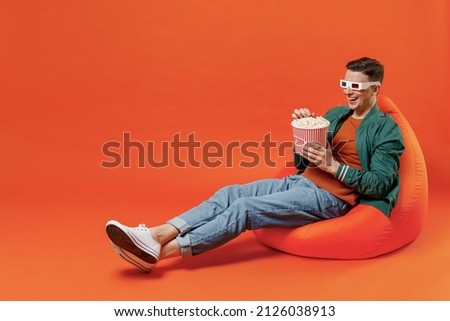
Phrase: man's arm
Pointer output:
(377, 180)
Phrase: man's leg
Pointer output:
(223, 198)
(298, 203)
(210, 209)
(151, 244)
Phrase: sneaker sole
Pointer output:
(126, 242)
(130, 258)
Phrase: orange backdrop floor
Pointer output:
(62, 253)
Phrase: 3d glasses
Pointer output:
(353, 85)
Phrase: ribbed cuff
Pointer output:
(342, 171)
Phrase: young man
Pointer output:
(359, 165)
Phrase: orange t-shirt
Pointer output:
(344, 151)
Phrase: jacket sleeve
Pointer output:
(377, 179)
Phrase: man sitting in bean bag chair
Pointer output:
(359, 165)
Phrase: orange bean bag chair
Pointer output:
(364, 232)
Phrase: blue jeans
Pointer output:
(288, 202)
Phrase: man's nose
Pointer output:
(347, 90)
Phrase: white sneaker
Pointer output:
(133, 259)
(136, 240)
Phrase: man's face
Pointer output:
(359, 100)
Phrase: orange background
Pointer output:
(74, 75)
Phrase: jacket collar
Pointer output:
(375, 110)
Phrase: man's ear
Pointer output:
(376, 91)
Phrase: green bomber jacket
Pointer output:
(380, 144)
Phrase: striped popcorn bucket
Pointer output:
(307, 135)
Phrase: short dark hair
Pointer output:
(368, 66)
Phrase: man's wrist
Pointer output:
(334, 167)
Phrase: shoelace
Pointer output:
(141, 227)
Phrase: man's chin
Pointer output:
(352, 104)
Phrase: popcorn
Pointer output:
(310, 122)
(309, 129)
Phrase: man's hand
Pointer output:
(320, 156)
(301, 112)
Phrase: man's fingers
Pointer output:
(301, 112)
